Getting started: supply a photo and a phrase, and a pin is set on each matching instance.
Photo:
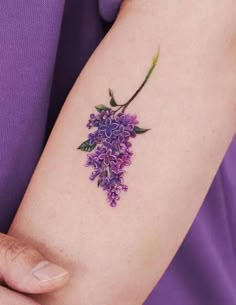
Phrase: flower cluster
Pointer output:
(113, 150)
(110, 142)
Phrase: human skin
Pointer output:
(25, 270)
(117, 255)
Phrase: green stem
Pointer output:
(154, 62)
(121, 106)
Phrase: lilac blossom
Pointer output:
(109, 146)
(113, 151)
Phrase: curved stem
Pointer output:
(119, 108)
(154, 62)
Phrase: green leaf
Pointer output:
(112, 100)
(85, 146)
(139, 130)
(101, 107)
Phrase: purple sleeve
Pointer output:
(109, 8)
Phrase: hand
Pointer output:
(24, 269)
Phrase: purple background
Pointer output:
(43, 47)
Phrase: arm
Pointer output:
(189, 104)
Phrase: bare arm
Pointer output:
(189, 104)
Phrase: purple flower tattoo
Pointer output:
(110, 143)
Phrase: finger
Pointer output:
(9, 297)
(25, 269)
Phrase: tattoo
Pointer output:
(114, 128)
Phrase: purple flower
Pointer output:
(94, 175)
(113, 151)
(124, 160)
(104, 114)
(92, 138)
(108, 128)
(93, 121)
(127, 119)
(107, 157)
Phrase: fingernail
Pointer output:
(46, 271)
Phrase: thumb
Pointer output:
(24, 269)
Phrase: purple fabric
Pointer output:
(43, 47)
(203, 271)
(29, 32)
(108, 9)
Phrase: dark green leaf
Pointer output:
(85, 146)
(113, 102)
(139, 130)
(101, 107)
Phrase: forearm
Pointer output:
(189, 105)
